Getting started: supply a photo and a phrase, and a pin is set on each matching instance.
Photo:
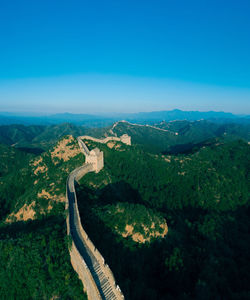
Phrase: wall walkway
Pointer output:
(141, 125)
(96, 276)
(124, 139)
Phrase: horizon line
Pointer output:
(44, 114)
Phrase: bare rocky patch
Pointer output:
(133, 221)
(47, 179)
(65, 149)
(167, 158)
(47, 195)
(149, 233)
(39, 166)
(25, 213)
(111, 144)
(114, 145)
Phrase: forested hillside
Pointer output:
(204, 199)
(36, 184)
(176, 137)
(36, 139)
(35, 262)
(14, 177)
(181, 136)
(170, 214)
(34, 257)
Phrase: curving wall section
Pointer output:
(96, 276)
(124, 139)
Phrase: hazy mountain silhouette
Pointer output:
(101, 120)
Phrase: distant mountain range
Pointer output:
(107, 119)
(162, 137)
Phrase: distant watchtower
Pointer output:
(126, 139)
(95, 158)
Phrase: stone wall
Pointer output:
(84, 274)
(83, 147)
(124, 139)
(78, 262)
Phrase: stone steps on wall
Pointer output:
(104, 283)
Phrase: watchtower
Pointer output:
(95, 158)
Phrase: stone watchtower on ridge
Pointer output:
(95, 158)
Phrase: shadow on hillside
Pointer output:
(140, 270)
(112, 193)
(25, 227)
(130, 262)
(188, 148)
(36, 151)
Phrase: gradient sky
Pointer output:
(124, 56)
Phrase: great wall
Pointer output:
(140, 125)
(124, 139)
(96, 276)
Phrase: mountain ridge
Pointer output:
(99, 120)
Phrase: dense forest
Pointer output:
(34, 256)
(181, 136)
(204, 198)
(170, 214)
(35, 262)
(37, 138)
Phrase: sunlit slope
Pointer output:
(36, 139)
(14, 134)
(41, 180)
(201, 130)
(34, 257)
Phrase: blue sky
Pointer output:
(124, 56)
